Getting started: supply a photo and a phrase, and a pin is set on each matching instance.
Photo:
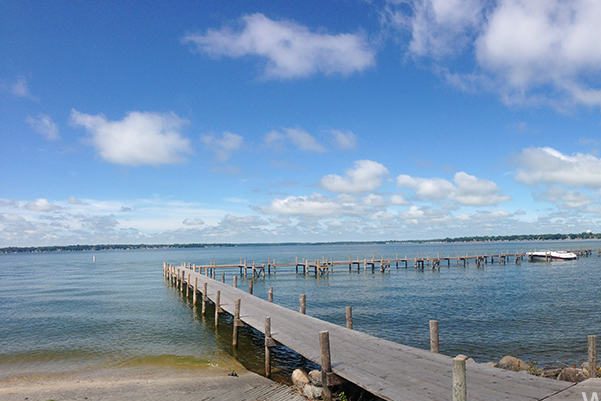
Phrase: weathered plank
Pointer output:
(387, 369)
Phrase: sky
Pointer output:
(244, 121)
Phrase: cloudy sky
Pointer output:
(298, 121)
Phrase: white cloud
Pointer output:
(529, 51)
(315, 205)
(20, 88)
(44, 125)
(365, 176)
(344, 140)
(465, 189)
(300, 138)
(566, 198)
(290, 50)
(438, 27)
(223, 146)
(548, 165)
(139, 138)
(397, 200)
(40, 205)
(193, 222)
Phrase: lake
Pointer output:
(60, 311)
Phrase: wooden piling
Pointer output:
(204, 299)
(349, 317)
(235, 281)
(223, 277)
(303, 304)
(592, 355)
(188, 285)
(268, 344)
(459, 378)
(270, 294)
(237, 323)
(250, 287)
(217, 307)
(195, 291)
(326, 364)
(434, 339)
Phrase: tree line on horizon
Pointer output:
(485, 238)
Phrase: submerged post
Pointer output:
(349, 317)
(268, 345)
(237, 322)
(326, 363)
(235, 281)
(250, 287)
(303, 303)
(434, 339)
(204, 299)
(459, 378)
(270, 294)
(223, 277)
(592, 356)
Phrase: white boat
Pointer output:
(551, 255)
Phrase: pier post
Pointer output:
(349, 317)
(237, 323)
(204, 299)
(250, 287)
(235, 281)
(326, 363)
(270, 294)
(217, 307)
(188, 285)
(195, 290)
(459, 378)
(303, 303)
(268, 344)
(592, 356)
(223, 277)
(181, 281)
(434, 339)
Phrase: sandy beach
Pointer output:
(144, 384)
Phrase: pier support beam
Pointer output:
(326, 364)
(235, 281)
(459, 378)
(349, 317)
(434, 339)
(268, 344)
(217, 307)
(250, 286)
(270, 294)
(237, 323)
(303, 304)
(592, 355)
(195, 291)
(204, 299)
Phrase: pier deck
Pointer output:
(387, 369)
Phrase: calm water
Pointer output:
(60, 311)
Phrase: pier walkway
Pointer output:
(386, 369)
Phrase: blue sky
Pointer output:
(279, 121)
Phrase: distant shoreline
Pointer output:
(474, 239)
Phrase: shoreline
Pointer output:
(142, 383)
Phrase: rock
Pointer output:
(300, 377)
(312, 392)
(573, 375)
(512, 363)
(315, 377)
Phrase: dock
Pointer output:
(324, 266)
(386, 369)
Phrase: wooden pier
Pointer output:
(386, 369)
(324, 266)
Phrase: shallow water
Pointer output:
(60, 311)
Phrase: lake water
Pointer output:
(60, 311)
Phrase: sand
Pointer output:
(144, 384)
